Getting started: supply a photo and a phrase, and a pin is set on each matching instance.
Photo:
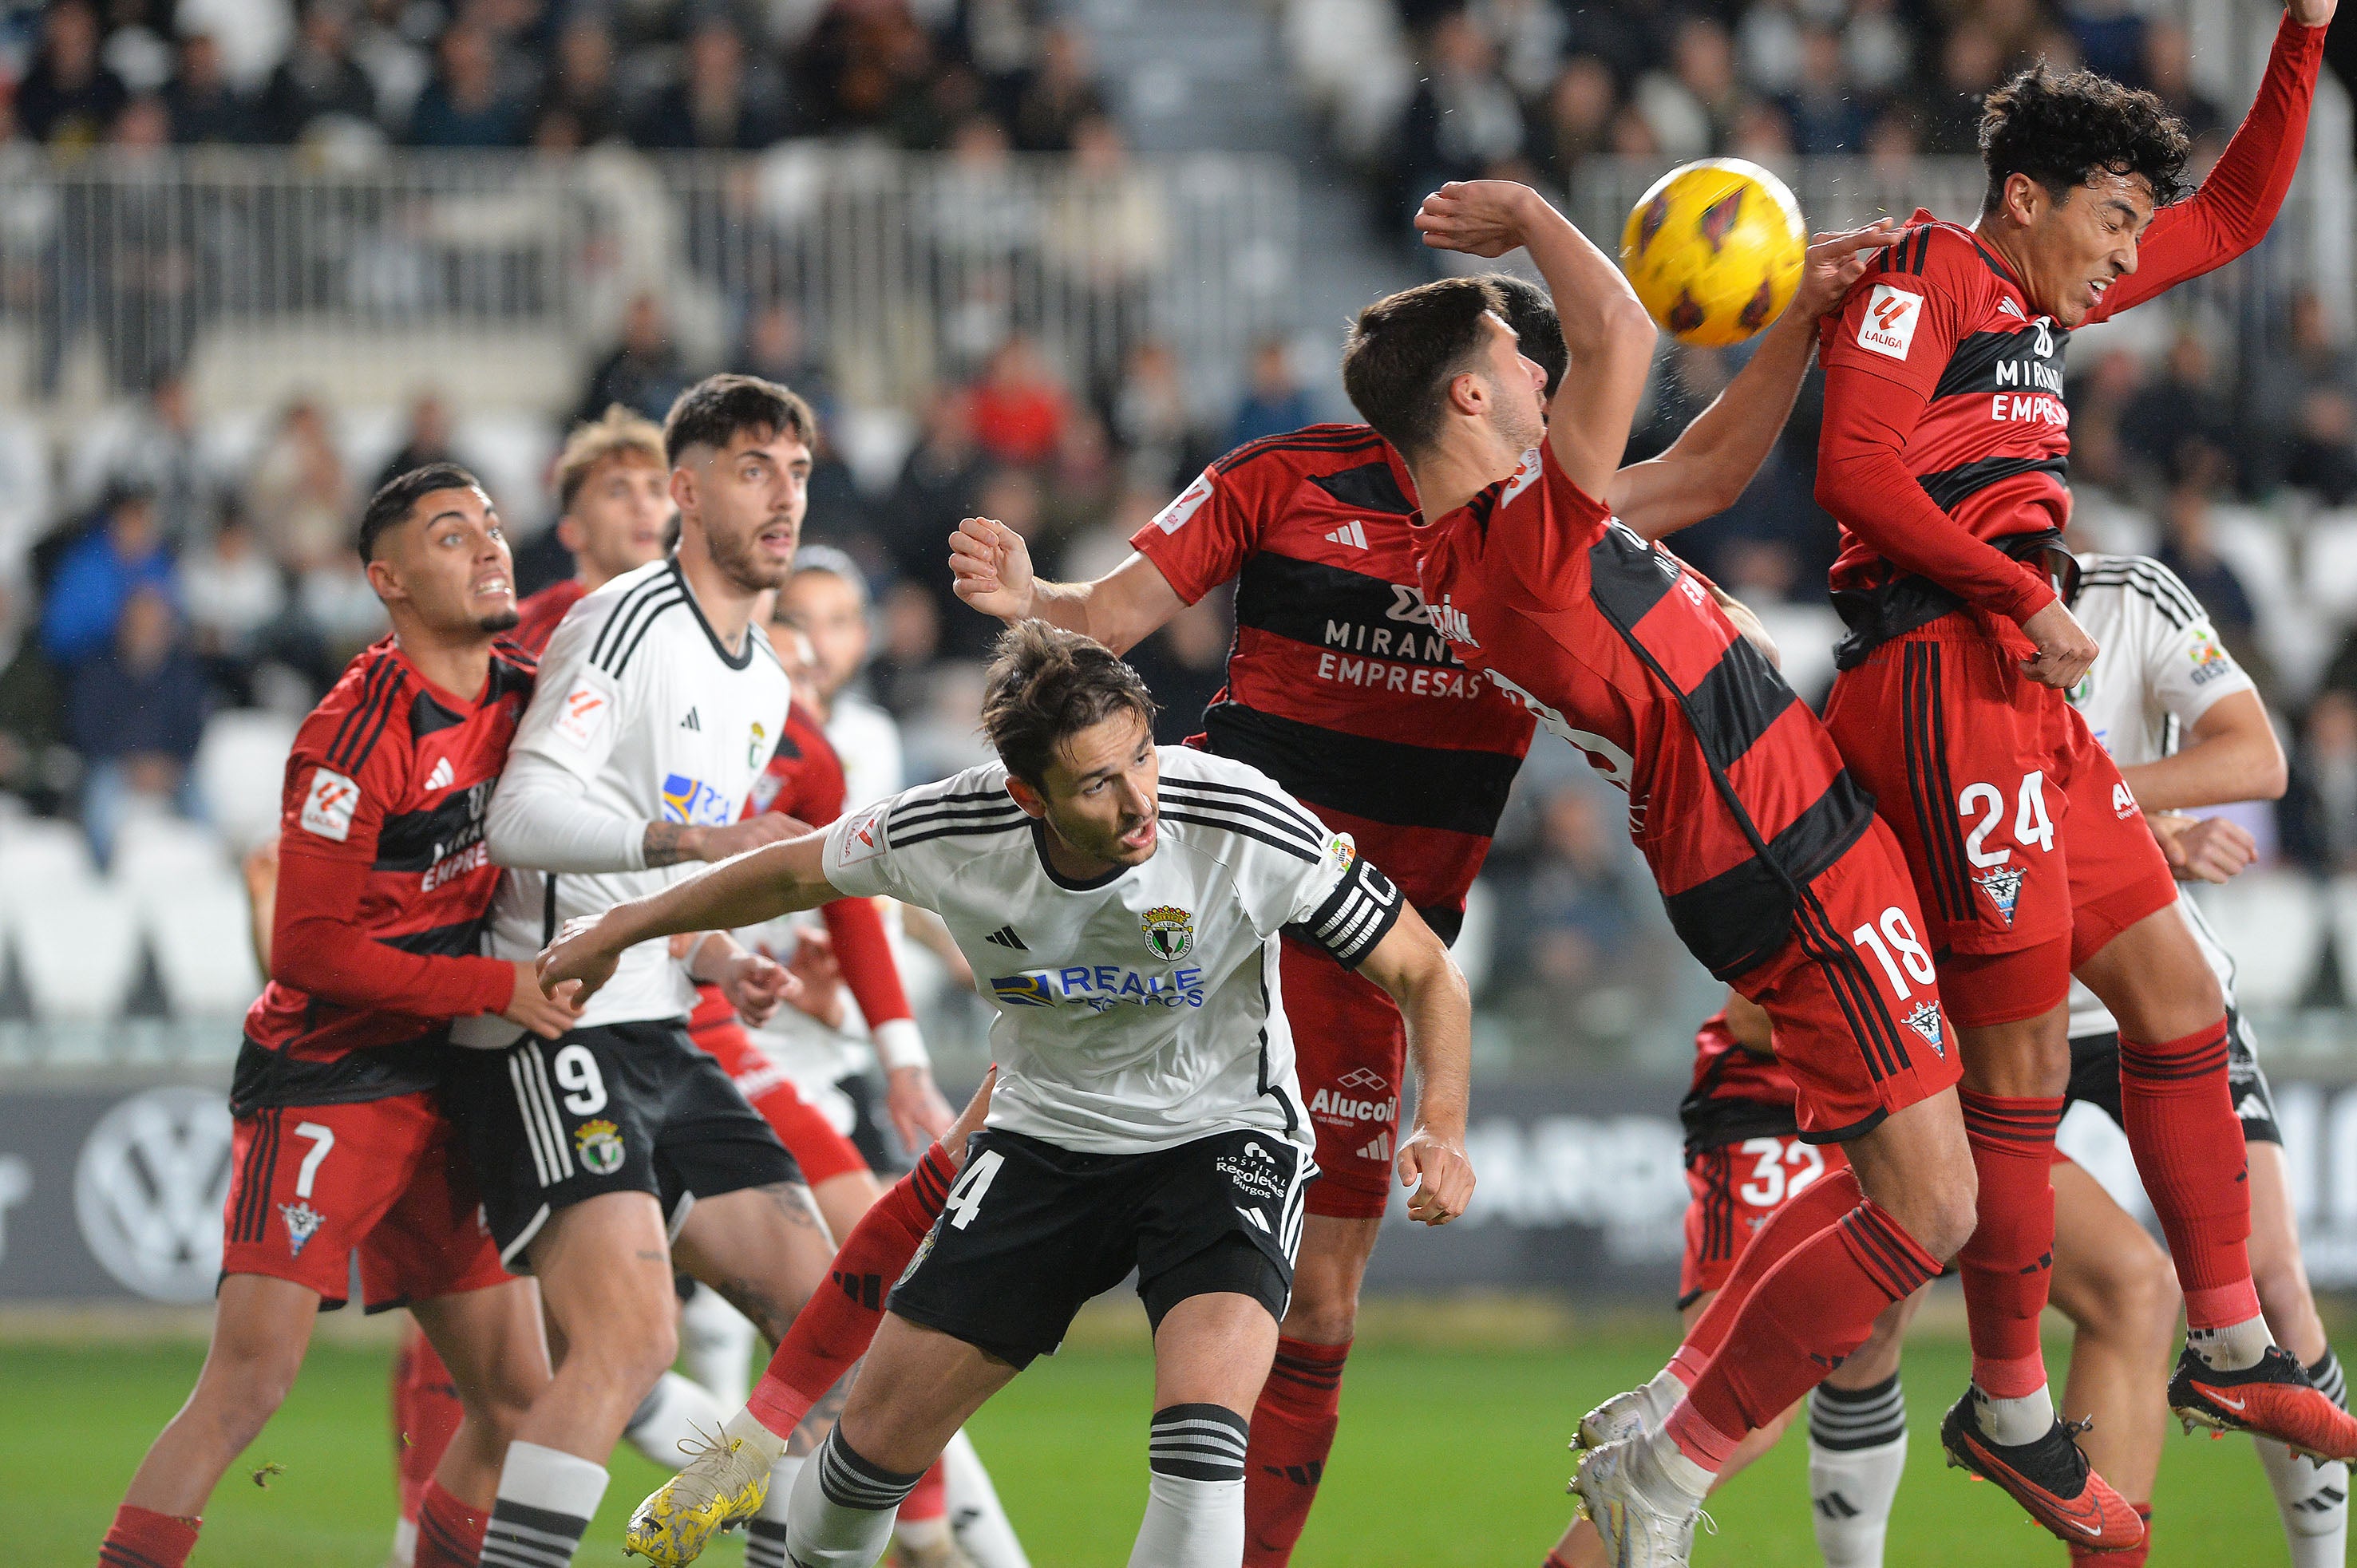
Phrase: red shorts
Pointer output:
(1732, 1190)
(1854, 998)
(1350, 1051)
(2019, 833)
(385, 1178)
(820, 1151)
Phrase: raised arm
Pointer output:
(1606, 332)
(2233, 756)
(1412, 967)
(755, 886)
(1708, 466)
(990, 569)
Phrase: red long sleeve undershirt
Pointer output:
(1862, 475)
(865, 953)
(318, 947)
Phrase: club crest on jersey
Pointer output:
(1342, 847)
(2003, 885)
(753, 747)
(303, 1222)
(1925, 1021)
(599, 1145)
(1169, 933)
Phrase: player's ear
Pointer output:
(386, 580)
(569, 533)
(683, 487)
(1034, 803)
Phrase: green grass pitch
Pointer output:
(1445, 1458)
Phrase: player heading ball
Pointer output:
(1122, 904)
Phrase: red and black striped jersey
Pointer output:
(1338, 686)
(538, 615)
(1946, 439)
(384, 879)
(1736, 1092)
(1737, 796)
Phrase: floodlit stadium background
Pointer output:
(1039, 260)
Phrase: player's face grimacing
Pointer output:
(829, 612)
(449, 564)
(1519, 384)
(618, 517)
(749, 498)
(2075, 248)
(1099, 798)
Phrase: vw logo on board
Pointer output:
(149, 1191)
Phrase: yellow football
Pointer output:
(1715, 250)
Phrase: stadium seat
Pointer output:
(78, 951)
(155, 857)
(2330, 564)
(2275, 921)
(24, 492)
(510, 452)
(40, 857)
(2340, 900)
(2259, 550)
(241, 767)
(204, 947)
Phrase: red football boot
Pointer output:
(2273, 1399)
(2050, 1478)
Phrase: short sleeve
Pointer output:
(857, 858)
(1902, 320)
(2186, 668)
(1200, 539)
(579, 709)
(1542, 526)
(1343, 903)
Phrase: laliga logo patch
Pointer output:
(2003, 885)
(599, 1145)
(1342, 847)
(1925, 1021)
(303, 1222)
(1169, 933)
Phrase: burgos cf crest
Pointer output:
(1925, 1021)
(303, 1222)
(1169, 933)
(599, 1145)
(2003, 885)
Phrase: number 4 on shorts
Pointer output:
(966, 1198)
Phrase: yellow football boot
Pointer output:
(723, 1486)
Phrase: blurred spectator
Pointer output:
(2319, 814)
(2168, 72)
(426, 441)
(1877, 46)
(776, 348)
(2179, 409)
(1577, 120)
(2189, 548)
(936, 488)
(297, 496)
(36, 765)
(1274, 403)
(1694, 107)
(716, 102)
(1825, 113)
(1019, 407)
(1184, 665)
(1571, 915)
(871, 67)
(909, 628)
(1060, 94)
(70, 98)
(205, 109)
(1151, 417)
(581, 86)
(2111, 37)
(1081, 480)
(644, 372)
(232, 590)
(156, 450)
(466, 104)
(1463, 116)
(2299, 415)
(99, 573)
(318, 87)
(135, 712)
(1105, 233)
(1970, 62)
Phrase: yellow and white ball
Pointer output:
(1715, 250)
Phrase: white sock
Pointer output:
(840, 1515)
(716, 1345)
(2232, 1347)
(2312, 1499)
(404, 1542)
(976, 1517)
(1194, 1489)
(2014, 1422)
(674, 1411)
(546, 1499)
(1658, 1452)
(765, 1537)
(1857, 1451)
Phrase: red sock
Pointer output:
(930, 1499)
(2132, 1558)
(142, 1538)
(1803, 1320)
(832, 1331)
(2180, 1118)
(426, 1414)
(1291, 1432)
(1824, 1202)
(2009, 1261)
(449, 1533)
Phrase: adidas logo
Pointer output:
(441, 776)
(1005, 937)
(1832, 1505)
(691, 722)
(1350, 533)
(1380, 1149)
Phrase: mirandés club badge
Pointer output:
(1169, 933)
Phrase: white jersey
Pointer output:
(1142, 1010)
(867, 739)
(2160, 669)
(639, 699)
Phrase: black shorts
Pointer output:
(1031, 1232)
(612, 1108)
(2096, 1079)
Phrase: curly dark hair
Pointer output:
(2062, 129)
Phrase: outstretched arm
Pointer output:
(2233, 756)
(1412, 966)
(1708, 466)
(990, 568)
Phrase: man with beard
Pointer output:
(607, 1153)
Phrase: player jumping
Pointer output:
(340, 1148)
(1126, 902)
(1341, 690)
(1943, 454)
(1771, 861)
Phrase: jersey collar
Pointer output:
(1039, 848)
(737, 660)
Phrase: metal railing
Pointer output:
(255, 267)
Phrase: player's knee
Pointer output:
(1324, 1309)
(2136, 1297)
(1943, 1216)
